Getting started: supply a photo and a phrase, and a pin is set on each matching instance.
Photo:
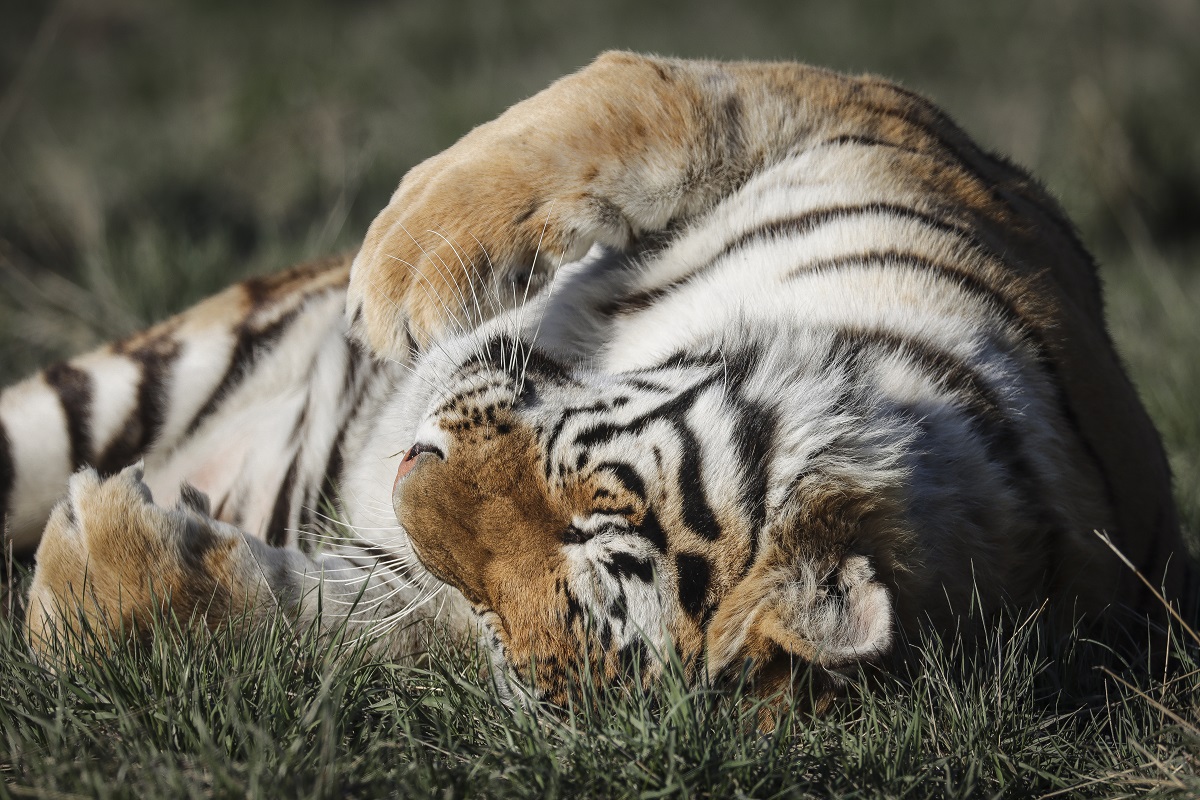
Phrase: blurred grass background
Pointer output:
(151, 151)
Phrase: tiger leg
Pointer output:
(212, 396)
(627, 146)
(110, 560)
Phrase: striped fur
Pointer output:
(182, 394)
(827, 371)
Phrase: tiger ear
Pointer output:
(827, 618)
(833, 620)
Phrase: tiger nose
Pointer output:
(410, 461)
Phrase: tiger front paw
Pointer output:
(110, 559)
(599, 156)
(467, 234)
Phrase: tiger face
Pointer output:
(597, 522)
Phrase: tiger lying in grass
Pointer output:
(825, 370)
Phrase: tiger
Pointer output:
(758, 366)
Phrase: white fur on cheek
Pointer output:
(600, 589)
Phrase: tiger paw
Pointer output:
(467, 234)
(599, 156)
(111, 559)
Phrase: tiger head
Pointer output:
(596, 523)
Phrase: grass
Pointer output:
(152, 152)
(284, 713)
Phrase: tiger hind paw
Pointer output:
(111, 559)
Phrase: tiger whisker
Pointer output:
(475, 277)
(520, 387)
(434, 297)
(452, 318)
(382, 625)
(446, 271)
(487, 286)
(462, 263)
(412, 344)
(386, 624)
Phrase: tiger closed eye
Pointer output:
(575, 535)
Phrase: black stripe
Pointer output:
(871, 141)
(1013, 172)
(8, 477)
(809, 221)
(144, 423)
(74, 389)
(684, 359)
(301, 423)
(574, 611)
(651, 530)
(965, 279)
(388, 561)
(944, 370)
(619, 611)
(960, 159)
(530, 209)
(626, 565)
(1043, 205)
(753, 441)
(1008, 310)
(222, 507)
(356, 359)
(631, 380)
(276, 533)
(846, 355)
(634, 658)
(250, 343)
(335, 462)
(231, 507)
(697, 513)
(693, 573)
(694, 507)
(329, 483)
(1000, 435)
(560, 423)
(797, 225)
(548, 448)
(605, 431)
(726, 143)
(926, 105)
(626, 475)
